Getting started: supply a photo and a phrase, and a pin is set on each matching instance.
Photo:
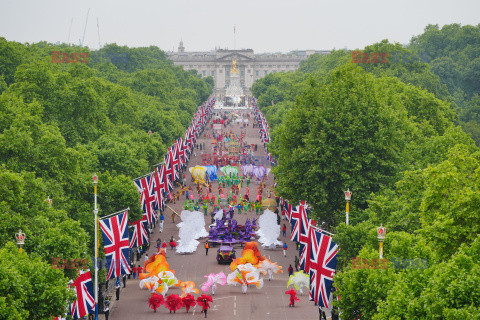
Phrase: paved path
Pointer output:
(270, 302)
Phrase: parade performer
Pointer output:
(212, 280)
(245, 274)
(269, 268)
(293, 297)
(187, 288)
(173, 302)
(188, 301)
(155, 301)
(299, 280)
(203, 301)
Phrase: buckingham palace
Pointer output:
(251, 66)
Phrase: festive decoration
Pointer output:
(269, 230)
(198, 173)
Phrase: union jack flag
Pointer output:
(117, 247)
(287, 210)
(170, 170)
(84, 289)
(139, 234)
(304, 237)
(167, 182)
(145, 187)
(159, 187)
(174, 158)
(190, 138)
(180, 152)
(185, 151)
(323, 261)
(295, 217)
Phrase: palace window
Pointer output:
(256, 73)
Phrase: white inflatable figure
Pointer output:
(269, 230)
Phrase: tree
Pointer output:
(30, 288)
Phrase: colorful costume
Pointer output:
(212, 281)
(173, 302)
(299, 280)
(188, 301)
(155, 301)
(203, 301)
(293, 297)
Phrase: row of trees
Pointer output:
(59, 124)
(390, 133)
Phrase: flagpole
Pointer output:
(95, 211)
(145, 175)
(115, 213)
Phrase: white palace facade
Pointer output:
(251, 66)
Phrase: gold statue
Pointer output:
(234, 66)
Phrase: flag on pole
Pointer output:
(85, 302)
(117, 246)
(159, 187)
(304, 237)
(323, 261)
(147, 196)
(295, 222)
(139, 234)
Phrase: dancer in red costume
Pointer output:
(293, 297)
(173, 302)
(188, 301)
(155, 301)
(202, 301)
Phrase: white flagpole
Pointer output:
(95, 211)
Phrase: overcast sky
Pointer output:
(262, 25)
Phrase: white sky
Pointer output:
(262, 25)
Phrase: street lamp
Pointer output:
(348, 197)
(49, 201)
(95, 211)
(20, 237)
(381, 232)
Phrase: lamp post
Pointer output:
(95, 211)
(348, 197)
(20, 237)
(381, 232)
(49, 201)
